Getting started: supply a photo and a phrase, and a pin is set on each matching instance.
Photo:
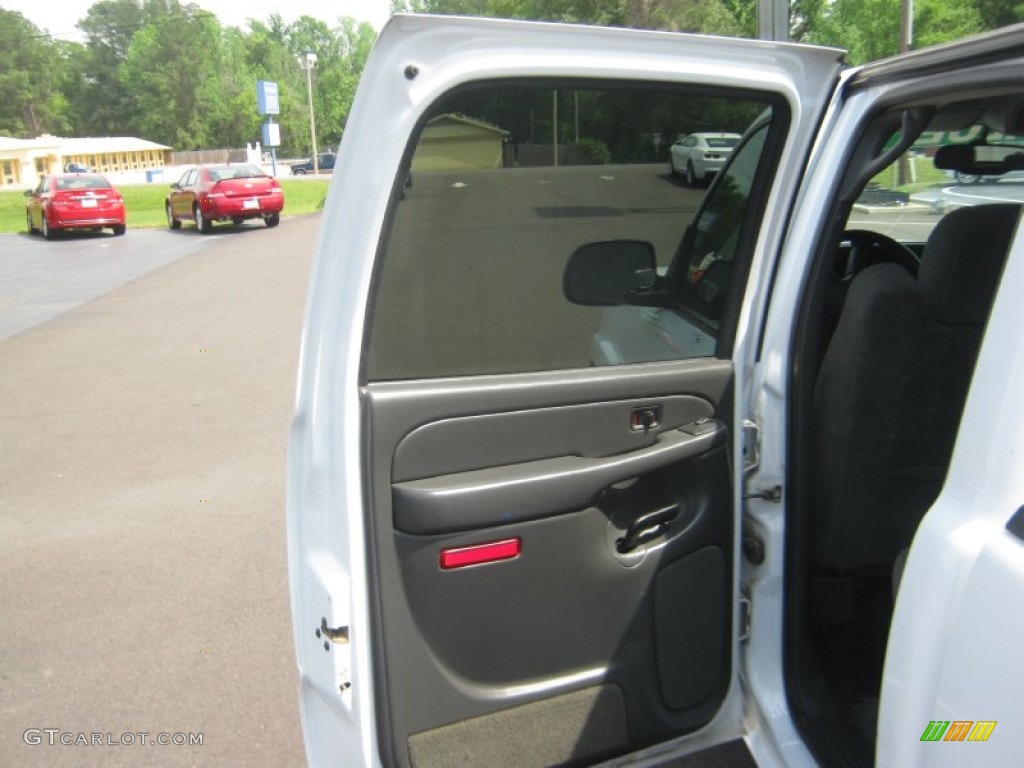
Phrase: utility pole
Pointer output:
(308, 62)
(903, 170)
(576, 104)
(554, 126)
(906, 25)
(773, 20)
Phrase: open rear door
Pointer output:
(512, 516)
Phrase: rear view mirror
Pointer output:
(605, 274)
(980, 159)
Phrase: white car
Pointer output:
(791, 533)
(700, 156)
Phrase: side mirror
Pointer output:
(605, 274)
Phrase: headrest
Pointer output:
(963, 260)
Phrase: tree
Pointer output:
(269, 58)
(229, 95)
(999, 13)
(730, 17)
(869, 29)
(940, 21)
(341, 54)
(171, 72)
(354, 41)
(100, 101)
(31, 102)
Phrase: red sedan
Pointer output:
(74, 201)
(224, 193)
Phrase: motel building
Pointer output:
(24, 161)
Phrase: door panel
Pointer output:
(641, 636)
(451, 396)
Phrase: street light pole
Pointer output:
(307, 62)
(904, 169)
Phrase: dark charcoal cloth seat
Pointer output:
(892, 386)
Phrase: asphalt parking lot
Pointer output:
(40, 280)
(142, 560)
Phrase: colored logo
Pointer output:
(958, 730)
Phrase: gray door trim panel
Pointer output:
(404, 566)
(407, 402)
(535, 489)
(592, 429)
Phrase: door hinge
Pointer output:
(746, 607)
(751, 445)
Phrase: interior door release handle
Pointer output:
(648, 526)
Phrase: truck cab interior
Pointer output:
(884, 354)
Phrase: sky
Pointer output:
(60, 16)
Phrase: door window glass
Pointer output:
(506, 181)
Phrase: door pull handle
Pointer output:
(647, 527)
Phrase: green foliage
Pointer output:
(341, 54)
(939, 21)
(172, 71)
(99, 100)
(592, 152)
(31, 101)
(168, 71)
(725, 17)
(869, 29)
(999, 13)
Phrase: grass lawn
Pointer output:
(145, 204)
(925, 175)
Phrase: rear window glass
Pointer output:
(234, 172)
(83, 182)
(506, 182)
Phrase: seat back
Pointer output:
(892, 386)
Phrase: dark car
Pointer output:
(232, 193)
(325, 164)
(74, 201)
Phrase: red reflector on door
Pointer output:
(492, 552)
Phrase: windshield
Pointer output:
(908, 198)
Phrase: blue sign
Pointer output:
(267, 102)
(271, 135)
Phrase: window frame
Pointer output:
(751, 228)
